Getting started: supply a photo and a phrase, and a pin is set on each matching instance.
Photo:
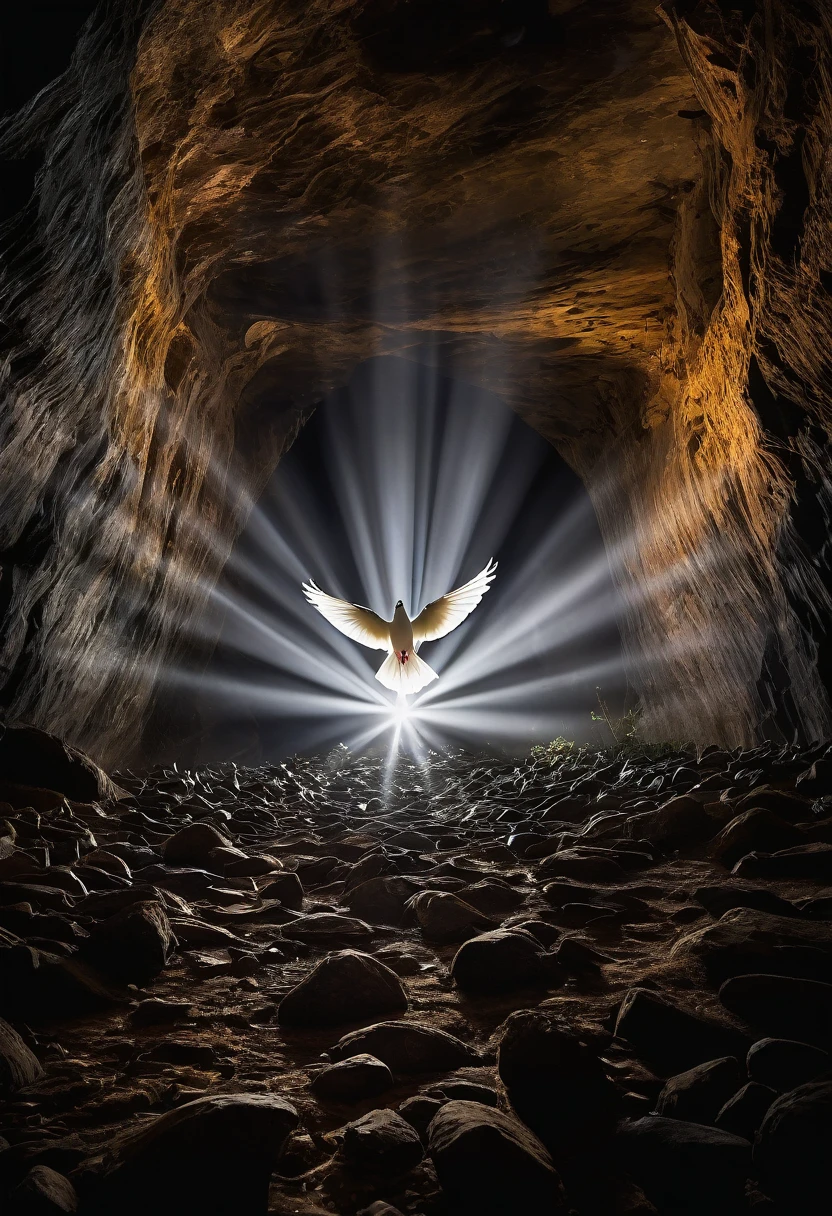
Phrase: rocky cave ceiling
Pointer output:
(616, 217)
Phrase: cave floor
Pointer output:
(617, 868)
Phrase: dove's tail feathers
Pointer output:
(406, 677)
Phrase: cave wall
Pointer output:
(626, 237)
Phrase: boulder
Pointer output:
(581, 866)
(555, 1083)
(133, 945)
(380, 1142)
(680, 820)
(698, 1095)
(29, 756)
(792, 1155)
(206, 1158)
(501, 961)
(380, 900)
(327, 929)
(744, 940)
(43, 1192)
(343, 987)
(419, 1111)
(444, 917)
(37, 985)
(782, 1005)
(193, 846)
(723, 898)
(816, 780)
(351, 1080)
(685, 1168)
(755, 829)
(672, 1038)
(286, 887)
(407, 1047)
(492, 897)
(783, 1064)
(806, 861)
(489, 1163)
(18, 1065)
(743, 1113)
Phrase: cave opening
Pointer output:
(403, 483)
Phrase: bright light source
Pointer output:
(401, 711)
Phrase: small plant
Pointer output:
(559, 749)
(626, 740)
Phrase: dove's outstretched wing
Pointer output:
(360, 624)
(444, 614)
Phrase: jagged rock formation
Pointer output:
(616, 218)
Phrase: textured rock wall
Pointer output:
(241, 201)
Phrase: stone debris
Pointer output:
(561, 1007)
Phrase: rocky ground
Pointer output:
(590, 984)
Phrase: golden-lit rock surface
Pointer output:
(615, 217)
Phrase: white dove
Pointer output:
(402, 671)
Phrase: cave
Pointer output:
(371, 293)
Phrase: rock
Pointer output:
(327, 928)
(577, 957)
(444, 917)
(466, 1091)
(755, 829)
(419, 1111)
(158, 1012)
(160, 1167)
(815, 780)
(685, 1168)
(407, 1047)
(698, 1095)
(193, 845)
(37, 984)
(745, 940)
(782, 803)
(251, 867)
(792, 1155)
(680, 820)
(19, 1066)
(380, 900)
(743, 1113)
(782, 1005)
(343, 987)
(501, 961)
(380, 1208)
(670, 1037)
(43, 1192)
(807, 861)
(584, 867)
(133, 945)
(357, 1077)
(489, 1164)
(286, 887)
(492, 897)
(380, 1142)
(415, 841)
(783, 1064)
(721, 899)
(554, 1082)
(29, 756)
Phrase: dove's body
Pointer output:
(402, 671)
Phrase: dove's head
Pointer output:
(399, 604)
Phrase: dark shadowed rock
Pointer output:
(671, 1037)
(744, 940)
(699, 1094)
(19, 1065)
(37, 984)
(343, 987)
(783, 1064)
(492, 897)
(29, 756)
(286, 887)
(743, 1113)
(419, 1111)
(815, 780)
(554, 1081)
(792, 1156)
(380, 900)
(359, 1076)
(380, 1142)
(685, 1168)
(133, 945)
(723, 898)
(806, 861)
(782, 1005)
(43, 1192)
(680, 820)
(206, 1158)
(466, 1091)
(500, 961)
(327, 929)
(444, 917)
(584, 867)
(490, 1164)
(158, 1012)
(755, 829)
(193, 846)
(407, 1047)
